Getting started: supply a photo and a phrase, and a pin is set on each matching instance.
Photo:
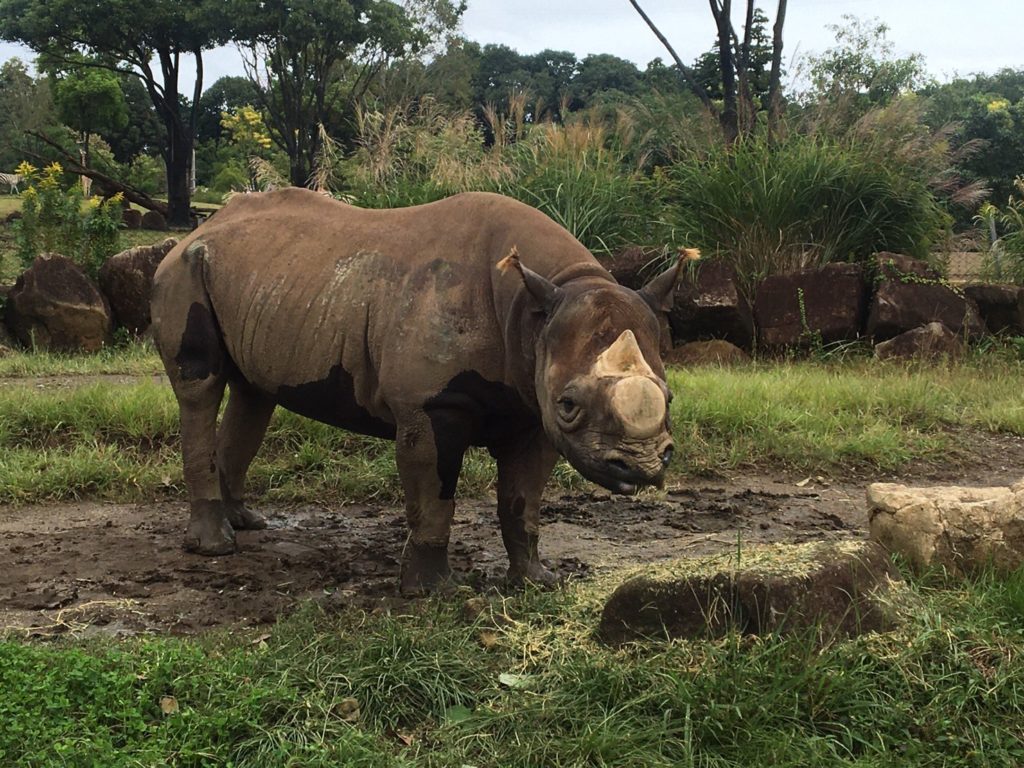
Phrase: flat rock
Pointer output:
(710, 305)
(1000, 306)
(55, 306)
(929, 342)
(961, 529)
(835, 589)
(828, 303)
(126, 279)
(713, 352)
(911, 294)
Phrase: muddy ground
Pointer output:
(119, 569)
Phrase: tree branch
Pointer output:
(687, 73)
(108, 184)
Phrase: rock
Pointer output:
(55, 306)
(634, 266)
(126, 279)
(131, 218)
(1001, 306)
(7, 342)
(964, 530)
(929, 342)
(912, 294)
(714, 352)
(834, 300)
(154, 220)
(834, 588)
(711, 306)
(12, 217)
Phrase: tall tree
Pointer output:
(144, 38)
(311, 61)
(735, 62)
(90, 101)
(26, 104)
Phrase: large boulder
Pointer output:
(713, 352)
(911, 294)
(7, 342)
(710, 305)
(963, 530)
(126, 279)
(633, 267)
(131, 218)
(793, 309)
(1000, 306)
(154, 220)
(929, 342)
(832, 588)
(55, 306)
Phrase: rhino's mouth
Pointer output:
(616, 475)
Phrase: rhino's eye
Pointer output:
(568, 409)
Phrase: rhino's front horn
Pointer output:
(639, 405)
(622, 358)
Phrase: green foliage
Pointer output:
(861, 71)
(1004, 261)
(121, 441)
(420, 689)
(577, 174)
(55, 220)
(91, 101)
(802, 202)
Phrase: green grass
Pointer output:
(117, 441)
(433, 689)
(136, 359)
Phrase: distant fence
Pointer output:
(964, 266)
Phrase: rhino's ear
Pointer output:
(660, 291)
(543, 291)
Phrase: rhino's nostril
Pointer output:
(666, 456)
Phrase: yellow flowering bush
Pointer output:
(55, 219)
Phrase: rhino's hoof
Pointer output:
(425, 570)
(210, 537)
(242, 518)
(533, 573)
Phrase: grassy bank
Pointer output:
(531, 689)
(120, 441)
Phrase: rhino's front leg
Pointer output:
(524, 465)
(429, 451)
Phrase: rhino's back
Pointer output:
(313, 295)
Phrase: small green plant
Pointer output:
(1004, 261)
(58, 220)
(810, 338)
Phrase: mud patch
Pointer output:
(119, 568)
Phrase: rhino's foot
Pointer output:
(209, 531)
(242, 518)
(425, 570)
(532, 572)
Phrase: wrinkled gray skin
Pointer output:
(419, 325)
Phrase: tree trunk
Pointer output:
(730, 114)
(179, 193)
(775, 84)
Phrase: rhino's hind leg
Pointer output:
(524, 466)
(238, 439)
(429, 456)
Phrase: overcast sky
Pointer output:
(955, 36)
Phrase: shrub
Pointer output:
(1004, 261)
(802, 202)
(57, 220)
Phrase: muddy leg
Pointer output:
(429, 453)
(209, 532)
(523, 469)
(241, 432)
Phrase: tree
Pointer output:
(603, 74)
(144, 38)
(26, 104)
(736, 111)
(90, 101)
(311, 61)
(227, 94)
(861, 67)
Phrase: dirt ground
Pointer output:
(100, 568)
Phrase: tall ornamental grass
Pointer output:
(804, 201)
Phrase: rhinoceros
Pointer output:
(423, 325)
